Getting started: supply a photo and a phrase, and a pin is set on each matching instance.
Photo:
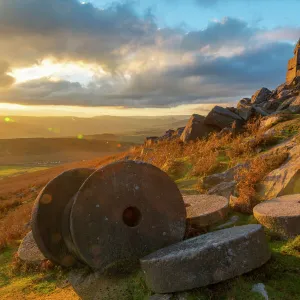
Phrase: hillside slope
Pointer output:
(188, 164)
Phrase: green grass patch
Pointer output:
(11, 282)
(9, 171)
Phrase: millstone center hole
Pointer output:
(132, 216)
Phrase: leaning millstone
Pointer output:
(48, 215)
(125, 211)
(280, 215)
(205, 210)
(206, 259)
(29, 251)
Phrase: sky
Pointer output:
(143, 57)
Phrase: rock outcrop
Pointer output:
(151, 140)
(224, 189)
(221, 117)
(196, 129)
(227, 176)
(286, 179)
(294, 64)
(29, 251)
(261, 95)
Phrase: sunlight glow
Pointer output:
(87, 112)
(54, 71)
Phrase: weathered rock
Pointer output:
(196, 129)
(261, 95)
(259, 111)
(227, 176)
(285, 94)
(169, 134)
(179, 131)
(285, 180)
(294, 107)
(281, 87)
(29, 251)
(294, 65)
(205, 210)
(226, 131)
(206, 259)
(245, 112)
(124, 211)
(280, 215)
(151, 140)
(270, 121)
(271, 105)
(244, 103)
(260, 289)
(285, 104)
(96, 286)
(221, 117)
(48, 215)
(225, 189)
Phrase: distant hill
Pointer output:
(12, 127)
(54, 151)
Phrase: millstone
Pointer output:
(205, 210)
(49, 212)
(206, 259)
(280, 215)
(124, 211)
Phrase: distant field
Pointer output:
(17, 155)
(9, 171)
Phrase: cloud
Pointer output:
(144, 66)
(229, 31)
(69, 30)
(5, 79)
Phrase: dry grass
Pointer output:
(13, 225)
(200, 158)
(247, 179)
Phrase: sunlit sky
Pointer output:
(147, 57)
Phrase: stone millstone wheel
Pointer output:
(49, 212)
(207, 259)
(280, 215)
(205, 210)
(124, 211)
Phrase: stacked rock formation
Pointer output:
(264, 102)
(294, 64)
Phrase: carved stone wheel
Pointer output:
(124, 211)
(48, 216)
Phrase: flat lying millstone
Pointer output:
(125, 211)
(206, 259)
(49, 212)
(280, 215)
(28, 250)
(205, 210)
